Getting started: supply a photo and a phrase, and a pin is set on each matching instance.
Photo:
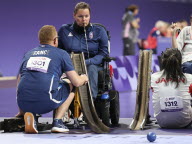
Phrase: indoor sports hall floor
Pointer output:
(118, 135)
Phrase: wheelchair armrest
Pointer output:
(108, 59)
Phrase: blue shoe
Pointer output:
(30, 123)
(58, 126)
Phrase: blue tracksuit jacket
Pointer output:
(97, 41)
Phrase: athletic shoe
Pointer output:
(58, 126)
(30, 123)
(81, 118)
(66, 118)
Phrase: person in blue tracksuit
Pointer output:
(40, 89)
(83, 36)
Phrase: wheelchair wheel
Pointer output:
(101, 81)
(105, 116)
(102, 108)
(114, 107)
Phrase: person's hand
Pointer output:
(85, 78)
(174, 28)
(135, 23)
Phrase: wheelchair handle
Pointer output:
(109, 59)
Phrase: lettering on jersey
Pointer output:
(171, 98)
(41, 52)
(169, 80)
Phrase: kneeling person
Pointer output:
(40, 89)
(172, 91)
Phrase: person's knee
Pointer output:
(91, 68)
(93, 73)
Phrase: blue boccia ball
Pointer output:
(151, 136)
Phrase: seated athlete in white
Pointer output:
(172, 92)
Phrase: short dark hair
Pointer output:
(132, 8)
(171, 64)
(81, 5)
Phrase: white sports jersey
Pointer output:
(184, 43)
(172, 106)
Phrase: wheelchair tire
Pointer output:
(114, 107)
(101, 81)
(102, 108)
(104, 112)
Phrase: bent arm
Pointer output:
(178, 41)
(135, 23)
(174, 41)
(174, 35)
(102, 49)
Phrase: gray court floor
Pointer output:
(118, 135)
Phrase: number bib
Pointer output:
(171, 104)
(40, 64)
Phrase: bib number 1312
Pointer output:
(171, 104)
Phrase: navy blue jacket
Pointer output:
(97, 40)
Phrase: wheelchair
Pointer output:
(107, 101)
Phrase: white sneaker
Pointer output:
(80, 118)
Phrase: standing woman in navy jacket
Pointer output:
(82, 36)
